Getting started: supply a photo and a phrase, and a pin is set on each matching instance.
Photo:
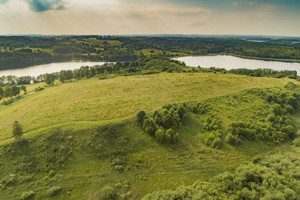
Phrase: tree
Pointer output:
(23, 87)
(159, 135)
(149, 126)
(62, 76)
(69, 74)
(171, 136)
(50, 78)
(140, 117)
(17, 130)
(1, 92)
(8, 92)
(15, 90)
(181, 112)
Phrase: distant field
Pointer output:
(120, 97)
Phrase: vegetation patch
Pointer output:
(267, 179)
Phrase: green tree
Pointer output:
(17, 130)
(69, 74)
(159, 135)
(149, 126)
(8, 92)
(62, 76)
(171, 136)
(15, 90)
(140, 117)
(23, 87)
(50, 78)
(1, 92)
(181, 112)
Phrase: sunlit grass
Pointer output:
(120, 97)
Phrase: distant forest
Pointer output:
(23, 51)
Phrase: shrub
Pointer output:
(289, 109)
(140, 117)
(276, 109)
(55, 190)
(108, 193)
(17, 130)
(296, 142)
(181, 112)
(232, 139)
(149, 126)
(51, 173)
(9, 180)
(195, 109)
(212, 124)
(290, 130)
(292, 101)
(119, 168)
(27, 195)
(271, 117)
(171, 136)
(290, 86)
(39, 88)
(167, 120)
(214, 139)
(159, 135)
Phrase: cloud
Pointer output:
(112, 17)
(197, 24)
(44, 5)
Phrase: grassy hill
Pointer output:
(119, 97)
(82, 136)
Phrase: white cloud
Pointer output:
(117, 17)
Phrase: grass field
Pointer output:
(120, 97)
(82, 135)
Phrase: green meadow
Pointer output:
(81, 137)
(121, 97)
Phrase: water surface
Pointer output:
(47, 68)
(232, 62)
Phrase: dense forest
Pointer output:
(23, 51)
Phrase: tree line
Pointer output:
(11, 91)
(18, 52)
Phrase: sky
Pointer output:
(131, 17)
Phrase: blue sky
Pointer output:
(119, 17)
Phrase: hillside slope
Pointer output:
(120, 97)
(83, 136)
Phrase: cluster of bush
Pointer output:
(118, 164)
(277, 126)
(252, 72)
(265, 180)
(119, 191)
(11, 91)
(214, 138)
(212, 124)
(143, 65)
(200, 108)
(162, 123)
(265, 72)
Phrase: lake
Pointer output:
(231, 62)
(220, 61)
(47, 68)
